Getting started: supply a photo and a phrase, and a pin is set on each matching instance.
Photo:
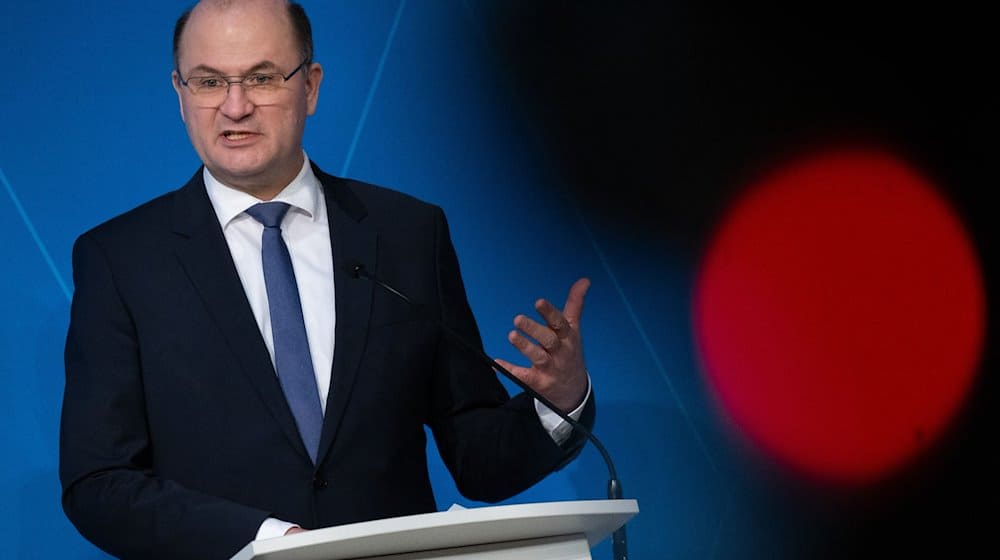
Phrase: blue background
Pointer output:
(417, 96)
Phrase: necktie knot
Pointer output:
(269, 213)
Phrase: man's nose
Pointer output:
(237, 103)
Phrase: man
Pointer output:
(187, 430)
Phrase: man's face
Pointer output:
(254, 147)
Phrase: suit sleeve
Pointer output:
(494, 446)
(110, 489)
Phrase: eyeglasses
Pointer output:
(260, 87)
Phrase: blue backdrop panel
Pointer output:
(412, 99)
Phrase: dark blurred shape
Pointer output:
(658, 113)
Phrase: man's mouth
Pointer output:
(236, 135)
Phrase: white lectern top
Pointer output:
(595, 519)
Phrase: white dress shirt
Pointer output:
(307, 235)
(306, 232)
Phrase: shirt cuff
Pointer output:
(272, 528)
(559, 430)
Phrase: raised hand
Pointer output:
(555, 350)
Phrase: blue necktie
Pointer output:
(292, 359)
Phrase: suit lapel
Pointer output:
(205, 257)
(352, 240)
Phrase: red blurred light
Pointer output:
(840, 314)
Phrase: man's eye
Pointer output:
(210, 83)
(259, 79)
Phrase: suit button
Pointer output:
(319, 483)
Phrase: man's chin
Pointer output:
(240, 166)
(246, 179)
(261, 182)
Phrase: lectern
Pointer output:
(541, 531)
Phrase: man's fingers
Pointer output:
(573, 309)
(554, 318)
(532, 351)
(561, 322)
(547, 310)
(519, 372)
(547, 337)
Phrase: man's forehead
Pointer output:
(271, 14)
(237, 37)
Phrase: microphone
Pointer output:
(356, 269)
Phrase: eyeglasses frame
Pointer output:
(230, 80)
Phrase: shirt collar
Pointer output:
(302, 194)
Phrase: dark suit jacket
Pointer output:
(176, 439)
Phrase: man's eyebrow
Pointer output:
(203, 69)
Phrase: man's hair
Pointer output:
(296, 14)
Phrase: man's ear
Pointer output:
(175, 78)
(314, 77)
